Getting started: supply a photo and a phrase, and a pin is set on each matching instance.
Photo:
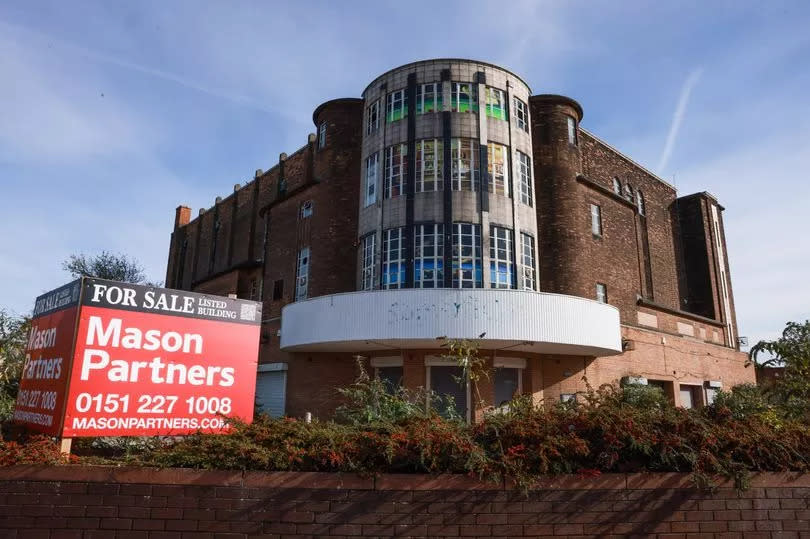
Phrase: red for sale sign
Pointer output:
(153, 361)
(43, 385)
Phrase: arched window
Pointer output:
(640, 202)
(617, 186)
(628, 192)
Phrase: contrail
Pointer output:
(677, 118)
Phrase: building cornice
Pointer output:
(605, 191)
(629, 160)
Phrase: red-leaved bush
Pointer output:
(35, 450)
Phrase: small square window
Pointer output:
(601, 293)
(306, 209)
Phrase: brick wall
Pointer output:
(89, 502)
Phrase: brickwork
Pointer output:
(601, 164)
(60, 502)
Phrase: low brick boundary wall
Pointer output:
(145, 503)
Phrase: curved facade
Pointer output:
(450, 202)
(519, 321)
(447, 198)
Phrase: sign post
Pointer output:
(115, 359)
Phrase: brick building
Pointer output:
(450, 202)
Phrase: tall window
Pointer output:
(372, 164)
(596, 221)
(464, 97)
(628, 192)
(369, 245)
(525, 182)
(302, 275)
(322, 135)
(467, 268)
(429, 98)
(395, 106)
(497, 165)
(527, 260)
(373, 117)
(501, 268)
(521, 114)
(429, 165)
(393, 258)
(640, 202)
(428, 261)
(496, 103)
(396, 163)
(448, 380)
(572, 130)
(306, 209)
(464, 169)
(617, 186)
(601, 293)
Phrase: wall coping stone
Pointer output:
(347, 481)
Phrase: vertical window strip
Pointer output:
(496, 103)
(498, 170)
(464, 169)
(395, 107)
(428, 261)
(501, 270)
(369, 248)
(429, 98)
(527, 247)
(596, 220)
(525, 179)
(429, 165)
(393, 258)
(464, 97)
(395, 169)
(521, 115)
(322, 135)
(302, 275)
(467, 266)
(373, 117)
(640, 202)
(617, 186)
(572, 130)
(372, 165)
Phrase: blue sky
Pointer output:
(114, 113)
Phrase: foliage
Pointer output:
(13, 338)
(644, 396)
(610, 430)
(369, 401)
(107, 265)
(743, 401)
(791, 391)
(473, 367)
(35, 450)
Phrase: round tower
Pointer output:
(447, 197)
(562, 219)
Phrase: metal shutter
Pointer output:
(271, 392)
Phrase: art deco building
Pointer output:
(449, 202)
